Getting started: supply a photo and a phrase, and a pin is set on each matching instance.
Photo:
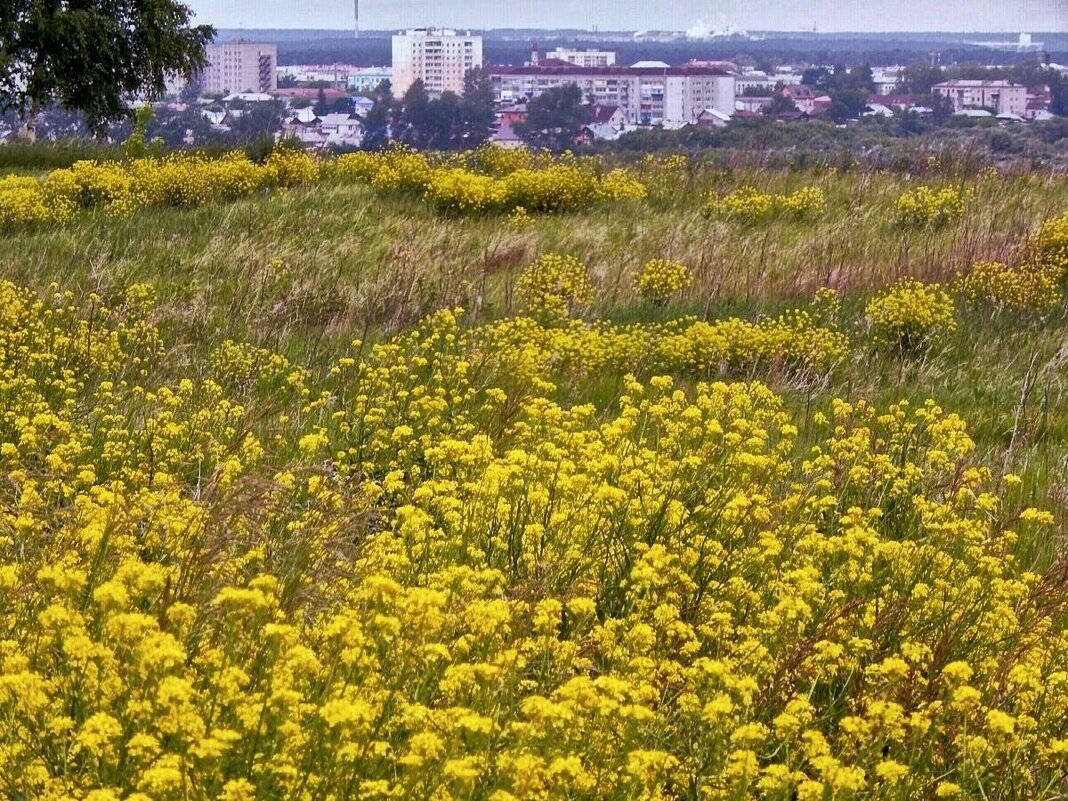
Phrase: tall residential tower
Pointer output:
(439, 57)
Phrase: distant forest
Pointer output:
(513, 47)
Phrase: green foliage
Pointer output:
(554, 119)
(92, 56)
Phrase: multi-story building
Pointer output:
(1004, 97)
(646, 94)
(239, 67)
(439, 57)
(583, 58)
(367, 79)
(764, 83)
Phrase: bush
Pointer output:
(553, 286)
(750, 206)
(659, 279)
(910, 316)
(924, 207)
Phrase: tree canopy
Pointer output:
(554, 118)
(92, 56)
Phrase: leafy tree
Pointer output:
(414, 124)
(918, 78)
(478, 114)
(1058, 85)
(861, 79)
(817, 77)
(377, 121)
(847, 105)
(259, 120)
(94, 55)
(941, 109)
(554, 119)
(780, 104)
(321, 107)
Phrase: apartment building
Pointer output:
(439, 57)
(646, 94)
(583, 58)
(239, 67)
(367, 79)
(1004, 97)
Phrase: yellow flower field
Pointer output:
(419, 575)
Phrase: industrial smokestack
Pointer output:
(356, 23)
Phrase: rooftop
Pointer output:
(641, 68)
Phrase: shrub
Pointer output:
(910, 315)
(924, 207)
(553, 286)
(750, 206)
(659, 279)
(1028, 287)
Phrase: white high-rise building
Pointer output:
(239, 67)
(439, 57)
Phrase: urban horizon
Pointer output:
(785, 16)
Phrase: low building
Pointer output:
(712, 118)
(368, 79)
(751, 104)
(1001, 97)
(803, 96)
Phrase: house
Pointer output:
(303, 116)
(506, 137)
(901, 102)
(513, 114)
(602, 131)
(361, 105)
(803, 96)
(602, 114)
(751, 104)
(341, 129)
(877, 110)
(214, 117)
(712, 118)
(820, 104)
(308, 93)
(249, 97)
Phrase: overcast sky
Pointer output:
(826, 15)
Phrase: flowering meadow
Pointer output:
(551, 545)
(473, 183)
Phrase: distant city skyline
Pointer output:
(785, 15)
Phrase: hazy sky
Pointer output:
(826, 15)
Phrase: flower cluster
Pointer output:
(924, 207)
(1026, 287)
(660, 279)
(410, 579)
(123, 187)
(527, 351)
(1033, 282)
(538, 183)
(553, 286)
(750, 206)
(911, 315)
